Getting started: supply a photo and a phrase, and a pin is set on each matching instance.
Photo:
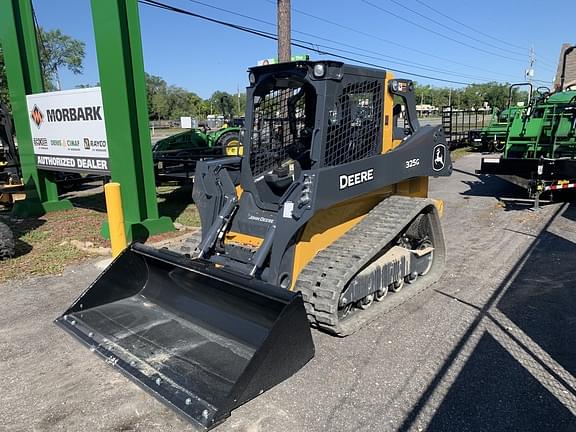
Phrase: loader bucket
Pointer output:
(199, 338)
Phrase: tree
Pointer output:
(472, 96)
(227, 104)
(58, 50)
(171, 102)
(156, 97)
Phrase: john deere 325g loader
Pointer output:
(321, 222)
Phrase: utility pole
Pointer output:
(529, 74)
(284, 36)
(238, 98)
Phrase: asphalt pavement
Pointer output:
(490, 347)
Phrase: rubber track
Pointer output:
(327, 275)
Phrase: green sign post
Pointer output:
(123, 86)
(18, 39)
(121, 66)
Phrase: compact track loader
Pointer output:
(324, 220)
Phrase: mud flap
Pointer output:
(200, 339)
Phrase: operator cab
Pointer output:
(304, 116)
(281, 135)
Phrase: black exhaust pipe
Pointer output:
(199, 338)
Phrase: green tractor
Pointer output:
(540, 152)
(200, 143)
(175, 157)
(493, 137)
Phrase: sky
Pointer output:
(460, 41)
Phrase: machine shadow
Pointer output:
(494, 392)
(174, 202)
(91, 201)
(171, 203)
(511, 196)
(520, 375)
(487, 185)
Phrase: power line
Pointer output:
(380, 57)
(440, 34)
(467, 26)
(388, 58)
(470, 28)
(272, 36)
(232, 12)
(394, 43)
(453, 30)
(373, 54)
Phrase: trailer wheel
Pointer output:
(7, 244)
(499, 146)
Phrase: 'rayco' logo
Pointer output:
(37, 116)
(98, 145)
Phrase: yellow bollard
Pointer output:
(115, 217)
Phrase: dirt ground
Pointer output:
(490, 347)
(47, 244)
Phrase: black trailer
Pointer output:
(461, 126)
(537, 176)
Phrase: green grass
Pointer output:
(176, 203)
(43, 244)
(35, 236)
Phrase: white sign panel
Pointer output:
(186, 122)
(68, 130)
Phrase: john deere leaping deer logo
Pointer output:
(439, 157)
(37, 116)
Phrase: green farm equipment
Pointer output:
(176, 156)
(540, 152)
(493, 137)
(202, 143)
